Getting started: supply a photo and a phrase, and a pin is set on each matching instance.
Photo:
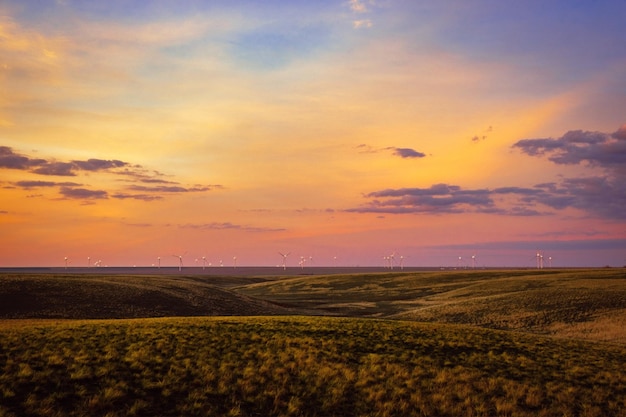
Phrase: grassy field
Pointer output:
(588, 304)
(74, 296)
(301, 366)
(446, 343)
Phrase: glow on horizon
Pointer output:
(348, 129)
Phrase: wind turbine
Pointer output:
(401, 262)
(88, 261)
(180, 261)
(66, 260)
(284, 255)
(549, 261)
(473, 261)
(159, 262)
(234, 262)
(203, 262)
(538, 259)
(391, 258)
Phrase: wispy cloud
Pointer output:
(37, 184)
(173, 188)
(142, 197)
(401, 152)
(12, 160)
(358, 6)
(362, 24)
(544, 245)
(230, 226)
(598, 196)
(136, 174)
(83, 193)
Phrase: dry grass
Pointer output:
(301, 366)
(74, 296)
(588, 304)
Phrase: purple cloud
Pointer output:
(12, 160)
(83, 193)
(408, 153)
(143, 197)
(98, 164)
(439, 198)
(599, 196)
(37, 184)
(62, 169)
(401, 152)
(576, 146)
(135, 173)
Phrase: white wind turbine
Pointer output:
(180, 261)
(284, 255)
(391, 259)
(203, 262)
(401, 262)
(234, 262)
(473, 261)
(88, 261)
(66, 261)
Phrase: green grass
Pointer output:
(301, 366)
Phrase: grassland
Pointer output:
(301, 366)
(73, 296)
(588, 304)
(445, 343)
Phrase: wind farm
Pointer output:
(355, 208)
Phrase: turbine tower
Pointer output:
(180, 261)
(66, 260)
(539, 260)
(284, 255)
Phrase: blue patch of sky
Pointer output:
(275, 46)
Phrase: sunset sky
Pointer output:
(347, 129)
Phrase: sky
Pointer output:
(447, 134)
